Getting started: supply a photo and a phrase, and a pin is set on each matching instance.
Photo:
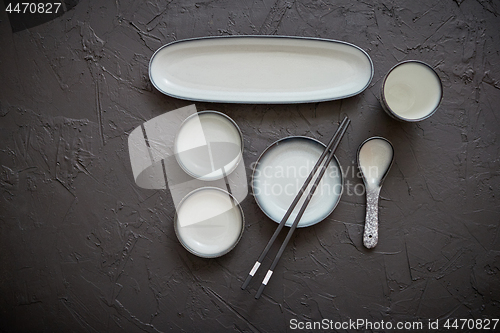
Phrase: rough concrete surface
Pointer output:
(84, 249)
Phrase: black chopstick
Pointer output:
(303, 208)
(332, 145)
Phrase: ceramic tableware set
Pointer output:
(208, 145)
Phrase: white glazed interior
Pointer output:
(375, 158)
(209, 222)
(412, 90)
(208, 135)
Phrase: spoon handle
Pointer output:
(370, 236)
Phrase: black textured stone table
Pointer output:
(84, 249)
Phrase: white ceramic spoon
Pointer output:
(375, 156)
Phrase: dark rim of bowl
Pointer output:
(277, 142)
(195, 115)
(395, 115)
(220, 254)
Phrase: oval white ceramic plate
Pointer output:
(281, 171)
(260, 69)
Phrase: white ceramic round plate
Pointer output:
(281, 171)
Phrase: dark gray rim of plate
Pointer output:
(220, 254)
(195, 115)
(372, 70)
(394, 115)
(294, 137)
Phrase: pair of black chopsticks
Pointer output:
(329, 150)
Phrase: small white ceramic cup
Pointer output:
(209, 222)
(411, 91)
(208, 145)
